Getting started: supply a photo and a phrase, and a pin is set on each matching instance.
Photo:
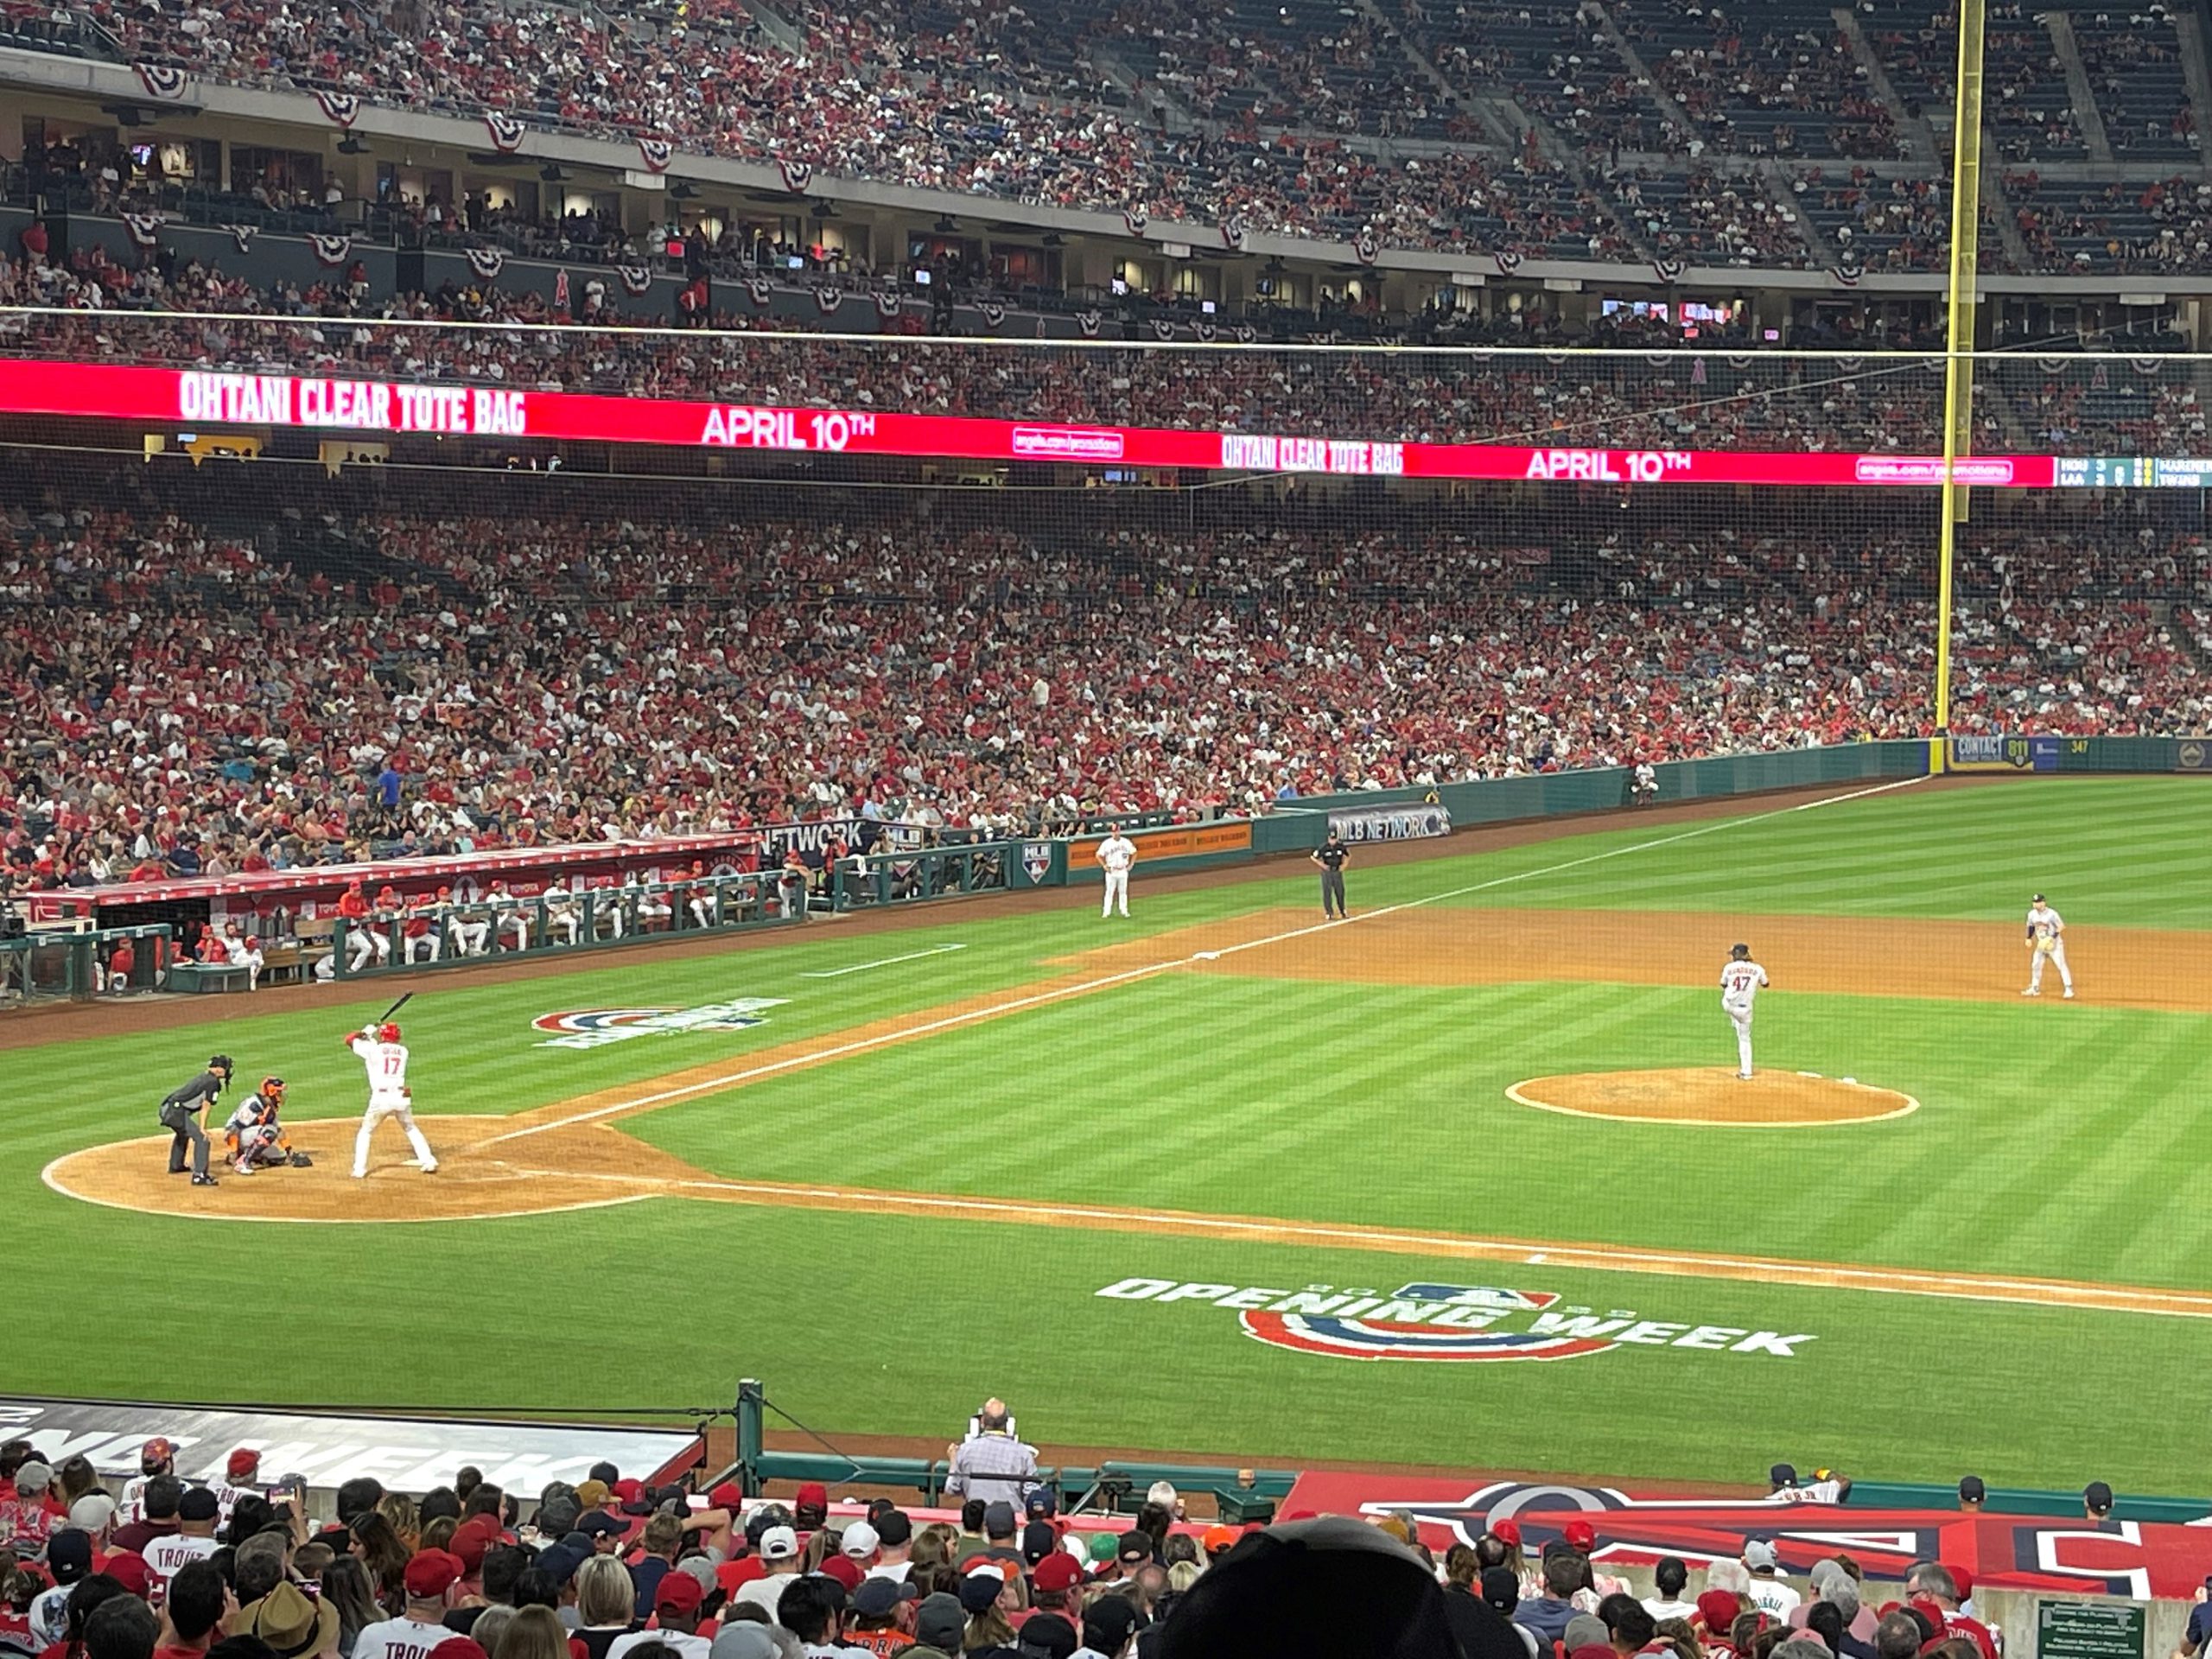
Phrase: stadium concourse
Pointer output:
(207, 681)
(611, 1568)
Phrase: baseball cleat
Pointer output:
(427, 1169)
(2032, 991)
(1743, 1076)
(2069, 993)
(241, 1169)
(205, 1181)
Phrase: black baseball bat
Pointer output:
(395, 1007)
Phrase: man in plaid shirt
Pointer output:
(994, 1464)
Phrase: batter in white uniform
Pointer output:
(389, 1096)
(1116, 855)
(2046, 943)
(1741, 980)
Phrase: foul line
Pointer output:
(1895, 1281)
(862, 967)
(1127, 975)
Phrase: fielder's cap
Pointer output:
(1580, 1533)
(432, 1573)
(597, 1523)
(878, 1596)
(1038, 1540)
(778, 1544)
(940, 1621)
(159, 1450)
(1058, 1571)
(1050, 1635)
(2038, 899)
(1759, 1553)
(34, 1476)
(129, 1569)
(1971, 1490)
(197, 1503)
(1109, 1622)
(858, 1540)
(678, 1593)
(848, 1571)
(91, 1511)
(2096, 1494)
(69, 1555)
(244, 1463)
(1783, 1474)
(998, 1520)
(979, 1591)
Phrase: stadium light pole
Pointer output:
(1958, 343)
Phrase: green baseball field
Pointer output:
(1469, 1180)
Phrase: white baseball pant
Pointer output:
(1117, 887)
(381, 1106)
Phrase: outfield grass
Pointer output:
(2056, 1149)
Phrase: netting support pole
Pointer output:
(1958, 345)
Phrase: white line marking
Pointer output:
(862, 967)
(863, 1045)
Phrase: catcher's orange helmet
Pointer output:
(274, 1089)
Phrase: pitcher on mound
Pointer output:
(1741, 981)
(387, 1059)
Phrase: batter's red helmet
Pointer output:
(388, 1032)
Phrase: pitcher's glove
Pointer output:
(300, 1160)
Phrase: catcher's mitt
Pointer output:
(300, 1160)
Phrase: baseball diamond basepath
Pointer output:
(568, 1155)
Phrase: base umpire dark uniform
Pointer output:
(180, 1111)
(1330, 855)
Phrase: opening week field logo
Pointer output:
(597, 1028)
(1446, 1322)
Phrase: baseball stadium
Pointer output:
(1317, 830)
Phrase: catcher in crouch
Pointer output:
(254, 1139)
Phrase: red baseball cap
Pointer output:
(843, 1568)
(679, 1593)
(629, 1490)
(734, 1576)
(725, 1497)
(814, 1495)
(1507, 1532)
(1581, 1535)
(458, 1647)
(159, 1450)
(433, 1572)
(129, 1569)
(472, 1540)
(1962, 1577)
(1718, 1608)
(243, 1465)
(1058, 1571)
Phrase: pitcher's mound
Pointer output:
(1771, 1099)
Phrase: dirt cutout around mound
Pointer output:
(1714, 1097)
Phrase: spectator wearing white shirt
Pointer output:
(779, 1550)
(1770, 1594)
(193, 1538)
(1669, 1578)
(430, 1579)
(676, 1616)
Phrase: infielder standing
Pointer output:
(1116, 855)
(183, 1112)
(2046, 939)
(1741, 980)
(389, 1095)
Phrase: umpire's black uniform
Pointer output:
(180, 1110)
(1330, 855)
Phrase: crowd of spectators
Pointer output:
(228, 682)
(615, 1568)
(1306, 119)
(2162, 227)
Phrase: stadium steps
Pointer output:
(1997, 213)
(784, 31)
(1776, 178)
(2197, 76)
(1411, 50)
(1919, 136)
(1677, 118)
(2180, 623)
(2085, 113)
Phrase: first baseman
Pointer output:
(389, 1096)
(1116, 855)
(2046, 940)
(1741, 980)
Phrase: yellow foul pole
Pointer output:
(1958, 379)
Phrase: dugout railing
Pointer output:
(512, 928)
(61, 963)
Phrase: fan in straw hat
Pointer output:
(296, 1627)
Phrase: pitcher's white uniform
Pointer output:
(1115, 853)
(1740, 982)
(2046, 926)
(388, 1097)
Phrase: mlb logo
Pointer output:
(1484, 1296)
(1037, 860)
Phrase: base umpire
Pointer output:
(1330, 855)
(183, 1112)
